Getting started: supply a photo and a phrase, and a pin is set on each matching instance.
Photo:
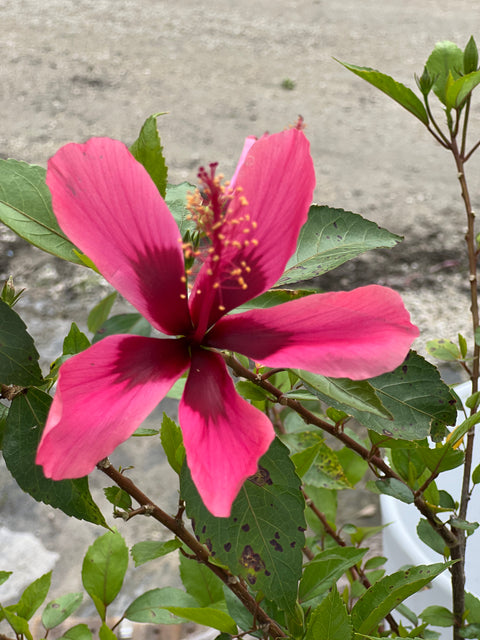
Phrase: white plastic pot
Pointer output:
(402, 546)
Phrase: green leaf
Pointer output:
(130, 323)
(461, 89)
(251, 391)
(262, 540)
(357, 394)
(100, 312)
(329, 238)
(388, 592)
(469, 527)
(476, 475)
(103, 570)
(152, 605)
(4, 576)
(18, 355)
(319, 466)
(118, 497)
(415, 396)
(78, 632)
(444, 350)
(430, 537)
(330, 620)
(208, 617)
(462, 343)
(151, 549)
(33, 596)
(472, 608)
(24, 426)
(105, 633)
(438, 616)
(200, 582)
(445, 60)
(470, 56)
(321, 573)
(176, 199)
(395, 488)
(172, 443)
(26, 207)
(470, 631)
(18, 624)
(148, 150)
(59, 609)
(395, 90)
(75, 341)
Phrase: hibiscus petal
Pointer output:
(261, 225)
(107, 204)
(356, 334)
(103, 395)
(224, 435)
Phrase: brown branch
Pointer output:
(201, 552)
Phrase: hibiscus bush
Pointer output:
(287, 393)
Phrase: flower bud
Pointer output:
(425, 81)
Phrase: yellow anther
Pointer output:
(183, 296)
(242, 283)
(254, 224)
(246, 230)
(248, 269)
(235, 272)
(216, 285)
(237, 244)
(243, 201)
(210, 272)
(255, 242)
(199, 291)
(221, 307)
(183, 279)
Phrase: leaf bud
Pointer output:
(425, 81)
(470, 56)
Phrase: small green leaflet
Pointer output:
(151, 549)
(18, 355)
(445, 65)
(103, 570)
(329, 238)
(262, 540)
(330, 620)
(395, 90)
(59, 609)
(148, 150)
(26, 207)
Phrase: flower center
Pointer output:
(225, 232)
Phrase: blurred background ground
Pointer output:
(223, 71)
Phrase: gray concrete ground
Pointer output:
(97, 67)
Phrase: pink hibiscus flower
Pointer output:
(109, 207)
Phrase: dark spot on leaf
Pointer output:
(204, 528)
(452, 401)
(302, 529)
(275, 545)
(386, 432)
(404, 368)
(193, 523)
(235, 519)
(335, 225)
(293, 544)
(251, 579)
(208, 544)
(227, 546)
(251, 560)
(245, 527)
(277, 535)
(267, 573)
(340, 237)
(261, 478)
(55, 605)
